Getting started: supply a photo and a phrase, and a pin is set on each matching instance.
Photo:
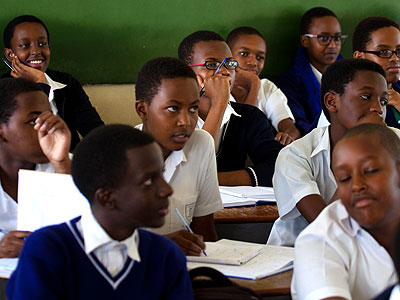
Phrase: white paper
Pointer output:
(272, 260)
(7, 266)
(47, 199)
(246, 195)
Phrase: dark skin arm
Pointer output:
(11, 244)
(287, 132)
(233, 178)
(311, 206)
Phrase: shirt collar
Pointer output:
(95, 237)
(324, 144)
(172, 162)
(317, 73)
(54, 85)
(227, 114)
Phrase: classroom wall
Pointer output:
(108, 41)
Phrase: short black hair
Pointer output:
(340, 73)
(9, 29)
(237, 32)
(100, 158)
(154, 71)
(185, 50)
(379, 134)
(362, 33)
(309, 15)
(9, 89)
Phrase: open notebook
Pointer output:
(246, 195)
(270, 261)
(221, 253)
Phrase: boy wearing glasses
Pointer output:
(239, 130)
(321, 39)
(378, 39)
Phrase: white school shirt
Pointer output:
(192, 173)
(9, 207)
(395, 294)
(54, 85)
(273, 103)
(111, 253)
(336, 257)
(301, 169)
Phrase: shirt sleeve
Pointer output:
(209, 198)
(293, 180)
(319, 269)
(274, 103)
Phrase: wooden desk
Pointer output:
(270, 286)
(247, 214)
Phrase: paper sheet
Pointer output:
(47, 199)
(7, 266)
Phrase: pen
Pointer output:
(203, 89)
(8, 64)
(187, 227)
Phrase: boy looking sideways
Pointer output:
(249, 49)
(353, 91)
(27, 48)
(321, 40)
(103, 254)
(378, 39)
(239, 130)
(346, 252)
(167, 101)
(31, 138)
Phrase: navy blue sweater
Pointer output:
(249, 135)
(54, 265)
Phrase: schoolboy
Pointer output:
(103, 254)
(239, 130)
(353, 91)
(167, 101)
(321, 40)
(32, 138)
(378, 39)
(27, 48)
(249, 49)
(346, 252)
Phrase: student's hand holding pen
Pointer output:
(217, 89)
(23, 71)
(190, 243)
(54, 139)
(11, 244)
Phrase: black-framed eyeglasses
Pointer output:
(385, 53)
(325, 39)
(229, 64)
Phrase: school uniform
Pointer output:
(9, 207)
(336, 257)
(68, 99)
(192, 174)
(302, 169)
(78, 260)
(273, 103)
(302, 89)
(392, 115)
(245, 132)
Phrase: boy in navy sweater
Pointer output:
(103, 254)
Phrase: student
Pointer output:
(346, 252)
(32, 138)
(239, 130)
(321, 40)
(103, 254)
(249, 49)
(27, 48)
(167, 101)
(378, 39)
(353, 91)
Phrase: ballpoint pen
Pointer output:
(8, 64)
(203, 89)
(187, 227)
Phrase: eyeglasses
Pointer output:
(325, 39)
(385, 53)
(229, 64)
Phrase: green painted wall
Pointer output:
(108, 41)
